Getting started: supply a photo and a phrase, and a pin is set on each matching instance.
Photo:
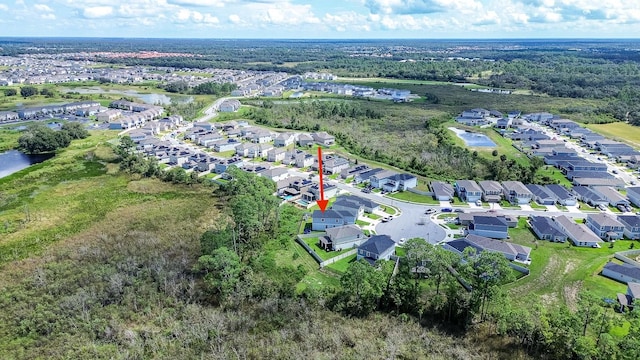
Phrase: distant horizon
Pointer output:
(322, 20)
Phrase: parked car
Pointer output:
(458, 210)
(447, 210)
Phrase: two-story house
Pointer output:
(631, 225)
(342, 237)
(489, 226)
(468, 190)
(605, 226)
(516, 193)
(546, 229)
(491, 191)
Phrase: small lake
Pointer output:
(155, 99)
(13, 161)
(473, 139)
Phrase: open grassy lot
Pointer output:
(8, 139)
(413, 197)
(619, 131)
(341, 266)
(559, 271)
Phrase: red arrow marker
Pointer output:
(322, 203)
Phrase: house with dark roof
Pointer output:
(468, 190)
(605, 226)
(563, 196)
(579, 234)
(630, 299)
(223, 165)
(516, 193)
(491, 191)
(342, 237)
(354, 170)
(467, 218)
(631, 225)
(313, 192)
(541, 195)
(442, 191)
(377, 247)
(587, 195)
(323, 220)
(546, 229)
(624, 273)
(512, 252)
(357, 202)
(366, 176)
(489, 226)
(633, 194)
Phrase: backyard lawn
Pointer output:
(342, 265)
(417, 198)
(560, 270)
(324, 255)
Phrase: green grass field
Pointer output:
(417, 198)
(619, 131)
(324, 255)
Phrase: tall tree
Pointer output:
(362, 287)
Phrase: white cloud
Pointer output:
(235, 19)
(421, 6)
(97, 12)
(282, 13)
(201, 3)
(185, 15)
(48, 16)
(4, 7)
(42, 7)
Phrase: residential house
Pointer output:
(109, 115)
(223, 145)
(605, 226)
(611, 195)
(563, 196)
(305, 140)
(399, 182)
(224, 164)
(541, 194)
(468, 190)
(343, 203)
(633, 194)
(442, 191)
(261, 137)
(274, 174)
(624, 273)
(367, 205)
(313, 193)
(379, 179)
(296, 188)
(342, 237)
(243, 149)
(323, 138)
(587, 195)
(204, 125)
(366, 175)
(377, 247)
(491, 190)
(631, 225)
(512, 252)
(613, 182)
(259, 150)
(332, 164)
(230, 105)
(304, 160)
(323, 220)
(276, 154)
(516, 193)
(353, 171)
(284, 139)
(208, 139)
(546, 229)
(579, 234)
(489, 226)
(465, 219)
(629, 300)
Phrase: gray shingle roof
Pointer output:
(377, 244)
(624, 269)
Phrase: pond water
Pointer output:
(473, 139)
(159, 99)
(13, 161)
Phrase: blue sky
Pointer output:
(349, 19)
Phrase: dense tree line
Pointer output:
(207, 88)
(39, 138)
